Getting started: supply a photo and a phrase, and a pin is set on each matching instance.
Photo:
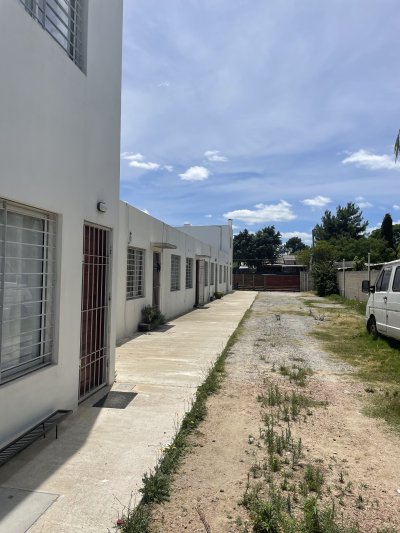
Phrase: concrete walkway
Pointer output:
(82, 481)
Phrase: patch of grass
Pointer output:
(355, 305)
(376, 361)
(297, 373)
(156, 484)
(387, 406)
(275, 514)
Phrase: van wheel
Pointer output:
(372, 329)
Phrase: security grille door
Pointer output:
(200, 300)
(95, 306)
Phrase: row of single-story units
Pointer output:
(115, 272)
(168, 267)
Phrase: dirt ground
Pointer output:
(359, 456)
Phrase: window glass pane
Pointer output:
(396, 281)
(385, 280)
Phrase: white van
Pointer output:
(383, 307)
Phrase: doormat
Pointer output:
(116, 400)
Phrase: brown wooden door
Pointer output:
(94, 313)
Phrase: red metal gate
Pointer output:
(267, 282)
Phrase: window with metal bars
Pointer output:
(64, 21)
(27, 287)
(212, 273)
(175, 272)
(189, 273)
(135, 273)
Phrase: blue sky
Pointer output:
(268, 112)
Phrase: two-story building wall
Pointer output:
(59, 200)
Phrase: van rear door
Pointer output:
(393, 306)
(380, 299)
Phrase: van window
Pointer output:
(382, 284)
(396, 281)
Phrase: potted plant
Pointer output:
(151, 318)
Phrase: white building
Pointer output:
(59, 158)
(77, 265)
(168, 267)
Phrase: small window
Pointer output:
(383, 281)
(396, 281)
(212, 273)
(175, 272)
(205, 273)
(189, 273)
(135, 273)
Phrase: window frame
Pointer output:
(44, 319)
(189, 273)
(175, 281)
(138, 273)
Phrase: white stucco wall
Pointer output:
(219, 236)
(59, 151)
(139, 230)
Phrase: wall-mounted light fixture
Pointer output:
(102, 207)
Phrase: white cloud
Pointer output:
(164, 84)
(144, 165)
(129, 156)
(208, 216)
(279, 212)
(215, 157)
(137, 161)
(396, 207)
(362, 202)
(195, 174)
(366, 159)
(317, 201)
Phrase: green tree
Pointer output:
(243, 247)
(294, 245)
(387, 230)
(348, 222)
(323, 269)
(267, 245)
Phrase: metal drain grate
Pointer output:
(116, 400)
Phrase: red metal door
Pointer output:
(95, 306)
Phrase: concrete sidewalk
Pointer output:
(82, 481)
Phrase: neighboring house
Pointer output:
(59, 189)
(168, 267)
